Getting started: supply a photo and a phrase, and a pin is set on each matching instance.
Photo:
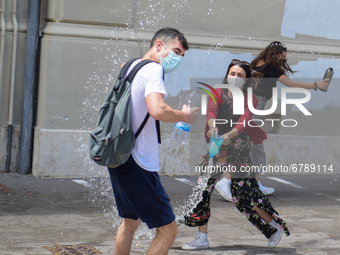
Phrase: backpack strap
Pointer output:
(142, 125)
(136, 68)
(122, 73)
(129, 78)
(125, 68)
(158, 128)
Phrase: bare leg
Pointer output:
(263, 214)
(203, 229)
(125, 235)
(163, 240)
(257, 176)
(227, 175)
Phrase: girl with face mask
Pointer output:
(234, 154)
(272, 64)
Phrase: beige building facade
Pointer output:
(84, 42)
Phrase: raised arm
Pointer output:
(297, 84)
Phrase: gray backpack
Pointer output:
(112, 141)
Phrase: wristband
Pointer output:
(315, 86)
(211, 127)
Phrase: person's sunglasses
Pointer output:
(240, 61)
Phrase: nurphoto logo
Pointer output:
(238, 104)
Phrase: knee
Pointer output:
(173, 231)
(169, 231)
(129, 225)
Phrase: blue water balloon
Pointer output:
(215, 144)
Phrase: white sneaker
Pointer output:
(223, 187)
(275, 238)
(266, 190)
(200, 242)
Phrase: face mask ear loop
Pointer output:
(160, 55)
(165, 45)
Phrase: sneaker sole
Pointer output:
(196, 248)
(223, 194)
(277, 242)
(267, 193)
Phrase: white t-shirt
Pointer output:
(148, 79)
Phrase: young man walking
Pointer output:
(138, 191)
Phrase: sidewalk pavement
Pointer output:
(77, 216)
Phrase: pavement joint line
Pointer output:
(299, 187)
(286, 182)
(84, 183)
(193, 184)
(186, 181)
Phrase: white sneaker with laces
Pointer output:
(223, 187)
(200, 242)
(266, 190)
(275, 238)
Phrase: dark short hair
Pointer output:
(169, 34)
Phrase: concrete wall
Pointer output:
(84, 43)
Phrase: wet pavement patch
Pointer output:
(5, 190)
(73, 250)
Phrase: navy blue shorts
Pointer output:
(140, 194)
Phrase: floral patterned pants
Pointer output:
(244, 188)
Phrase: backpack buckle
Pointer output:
(106, 143)
(121, 131)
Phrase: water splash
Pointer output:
(151, 15)
(99, 81)
(193, 200)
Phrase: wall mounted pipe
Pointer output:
(11, 100)
(3, 39)
(31, 65)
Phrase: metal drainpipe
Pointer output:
(3, 39)
(11, 100)
(31, 65)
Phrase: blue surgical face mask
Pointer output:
(170, 62)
